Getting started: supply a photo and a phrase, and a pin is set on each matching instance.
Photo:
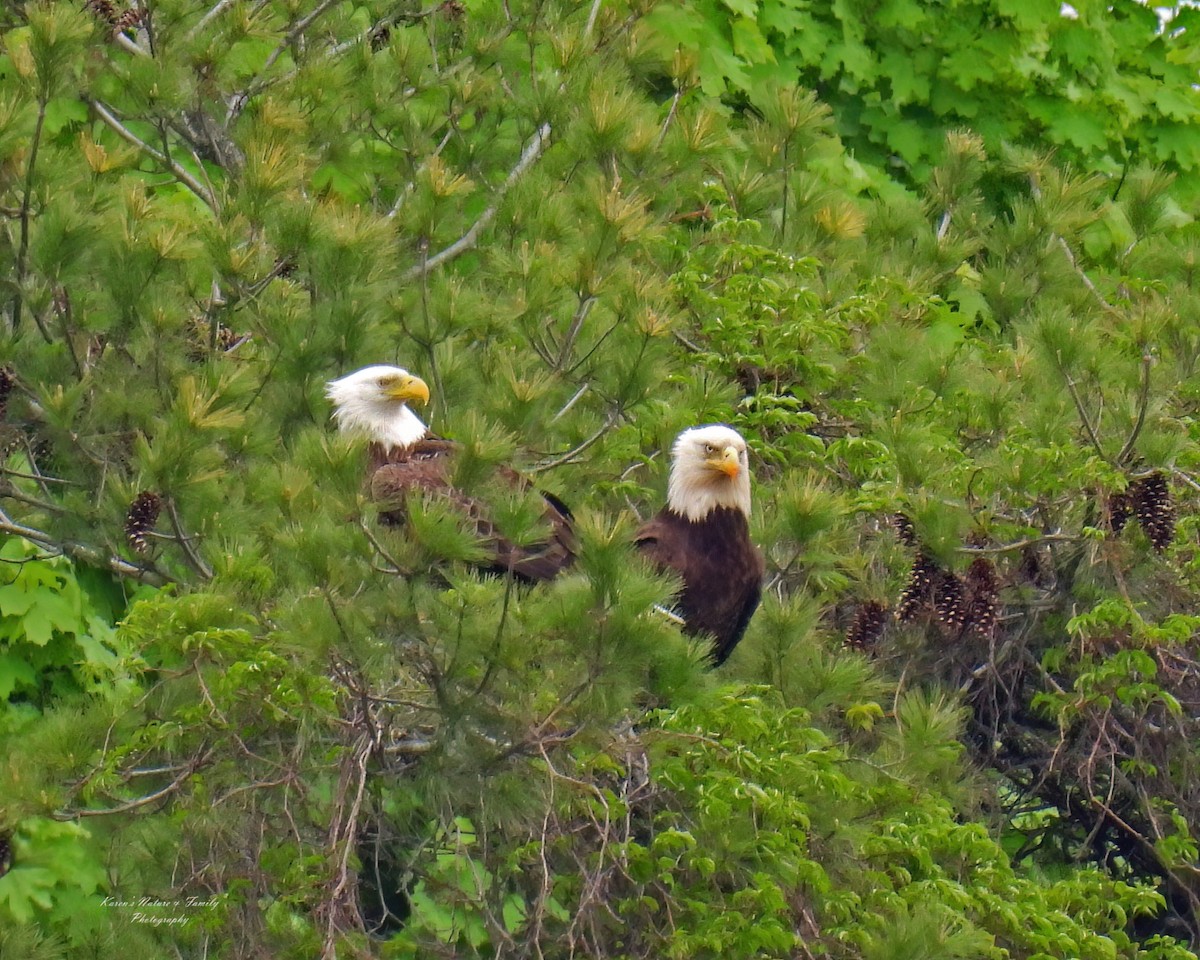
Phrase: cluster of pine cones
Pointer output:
(957, 603)
(1148, 499)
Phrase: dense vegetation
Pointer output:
(240, 718)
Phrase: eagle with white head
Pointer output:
(703, 535)
(405, 459)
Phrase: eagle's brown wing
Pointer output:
(426, 467)
(721, 569)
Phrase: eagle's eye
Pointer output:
(385, 382)
(708, 448)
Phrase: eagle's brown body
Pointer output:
(425, 467)
(722, 571)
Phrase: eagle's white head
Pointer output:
(373, 403)
(709, 468)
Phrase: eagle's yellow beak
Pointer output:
(726, 462)
(407, 389)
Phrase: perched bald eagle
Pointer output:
(405, 459)
(703, 535)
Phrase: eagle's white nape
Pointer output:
(695, 488)
(362, 408)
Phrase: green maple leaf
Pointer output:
(783, 17)
(749, 43)
(908, 85)
(1079, 128)
(25, 888)
(901, 13)
(1175, 103)
(50, 612)
(14, 672)
(743, 8)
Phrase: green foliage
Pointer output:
(583, 259)
(1105, 86)
(54, 640)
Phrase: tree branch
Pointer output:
(130, 137)
(93, 556)
(1087, 423)
(532, 151)
(1143, 402)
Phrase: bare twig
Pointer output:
(1143, 402)
(149, 798)
(204, 21)
(26, 204)
(570, 403)
(1022, 544)
(666, 125)
(1087, 423)
(185, 542)
(529, 155)
(581, 313)
(571, 454)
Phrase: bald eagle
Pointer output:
(703, 535)
(404, 459)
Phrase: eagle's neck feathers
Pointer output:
(694, 491)
(381, 422)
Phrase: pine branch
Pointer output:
(26, 203)
(1087, 423)
(204, 21)
(238, 101)
(1070, 255)
(1022, 544)
(191, 767)
(467, 241)
(1143, 403)
(84, 553)
(130, 137)
(195, 561)
(571, 454)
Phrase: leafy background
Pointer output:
(935, 261)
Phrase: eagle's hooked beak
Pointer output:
(726, 462)
(407, 388)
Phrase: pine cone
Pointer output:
(5, 852)
(949, 600)
(918, 592)
(7, 381)
(130, 18)
(104, 10)
(1154, 509)
(983, 596)
(1120, 509)
(905, 529)
(140, 520)
(867, 625)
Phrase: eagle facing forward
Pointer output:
(405, 459)
(703, 535)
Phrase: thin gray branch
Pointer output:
(185, 543)
(130, 137)
(571, 454)
(93, 556)
(1143, 403)
(212, 14)
(532, 151)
